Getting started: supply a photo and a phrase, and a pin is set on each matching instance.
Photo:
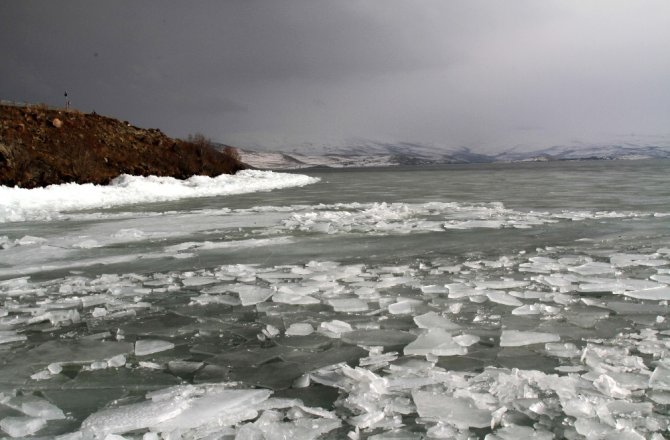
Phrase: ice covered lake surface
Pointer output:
(505, 301)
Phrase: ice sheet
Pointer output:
(18, 204)
(517, 338)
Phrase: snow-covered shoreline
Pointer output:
(20, 204)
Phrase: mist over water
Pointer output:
(499, 300)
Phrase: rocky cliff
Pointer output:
(41, 146)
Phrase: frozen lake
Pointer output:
(500, 301)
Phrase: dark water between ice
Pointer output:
(533, 294)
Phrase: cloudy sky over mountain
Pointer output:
(489, 75)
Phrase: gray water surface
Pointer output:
(363, 294)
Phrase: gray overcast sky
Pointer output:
(487, 74)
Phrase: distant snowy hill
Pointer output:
(374, 154)
(612, 152)
(360, 154)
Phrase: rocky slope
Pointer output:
(41, 146)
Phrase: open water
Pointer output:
(493, 301)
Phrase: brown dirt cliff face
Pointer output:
(40, 146)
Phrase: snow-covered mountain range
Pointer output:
(371, 153)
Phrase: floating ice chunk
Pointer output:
(626, 434)
(590, 428)
(117, 361)
(660, 378)
(535, 309)
(435, 341)
(28, 240)
(612, 286)
(433, 289)
(117, 437)
(219, 408)
(656, 293)
(458, 290)
(540, 265)
(198, 281)
(96, 300)
(500, 297)
(455, 308)
(219, 288)
(616, 286)
(7, 336)
(278, 275)
(301, 429)
(80, 351)
(299, 329)
(294, 298)
(334, 328)
(22, 426)
(626, 260)
(592, 268)
(99, 312)
(366, 292)
(460, 412)
(378, 360)
(131, 417)
(564, 350)
(471, 224)
(348, 305)
(450, 269)
(304, 289)
(169, 403)
(635, 284)
(54, 368)
(129, 234)
(433, 320)
(150, 365)
(36, 407)
(378, 338)
(253, 295)
(578, 407)
(516, 432)
(661, 278)
(466, 340)
(145, 347)
(516, 338)
(404, 306)
(622, 408)
(609, 359)
(609, 387)
(205, 299)
(87, 244)
(502, 284)
(558, 280)
(270, 331)
(662, 397)
(57, 317)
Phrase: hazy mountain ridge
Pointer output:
(371, 153)
(609, 152)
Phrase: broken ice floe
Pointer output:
(516, 338)
(388, 337)
(403, 218)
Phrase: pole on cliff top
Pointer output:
(67, 102)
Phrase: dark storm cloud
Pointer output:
(484, 74)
